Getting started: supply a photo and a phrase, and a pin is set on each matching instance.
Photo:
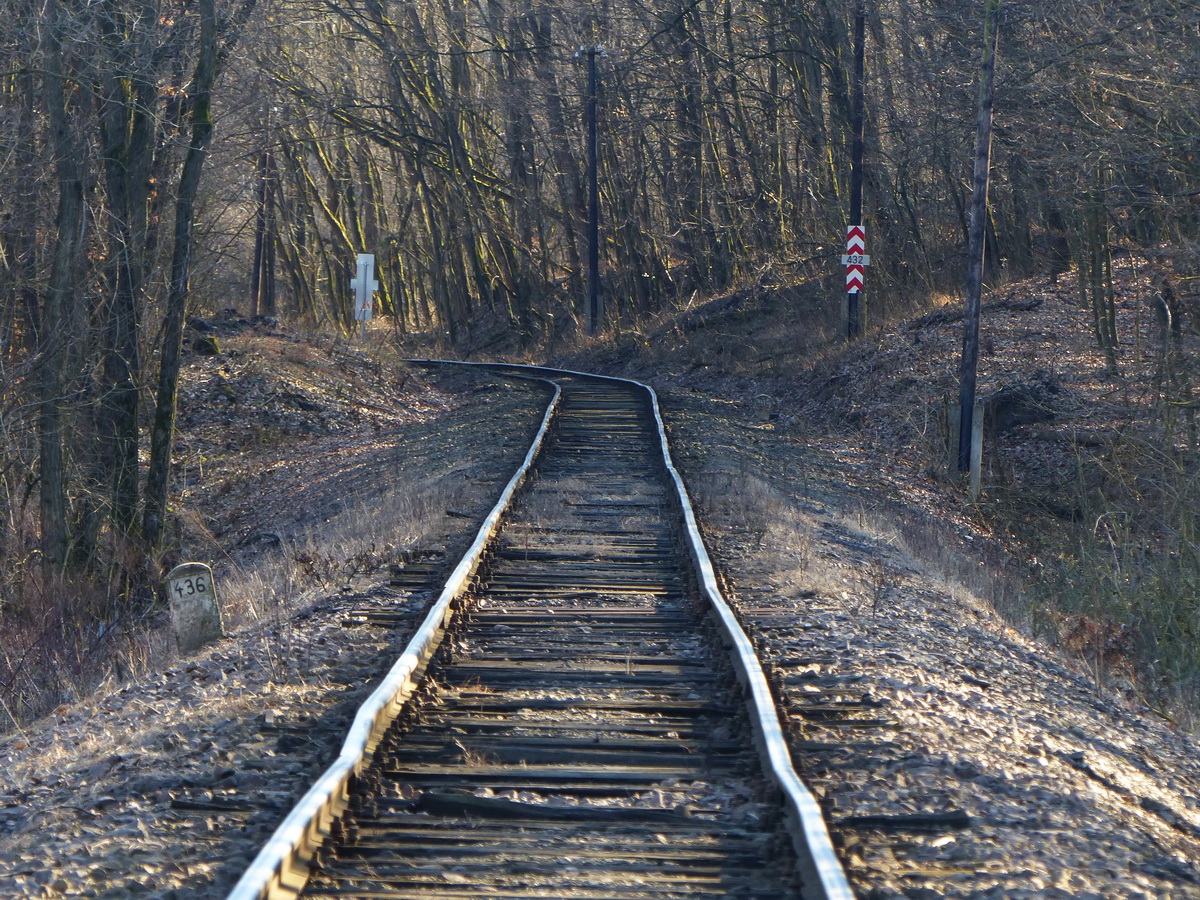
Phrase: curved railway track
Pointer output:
(579, 717)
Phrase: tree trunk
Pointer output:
(128, 147)
(60, 300)
(261, 194)
(566, 172)
(163, 433)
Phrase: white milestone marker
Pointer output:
(195, 611)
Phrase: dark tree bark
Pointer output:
(127, 133)
(57, 313)
(570, 186)
(163, 432)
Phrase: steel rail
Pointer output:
(280, 869)
(821, 871)
(820, 868)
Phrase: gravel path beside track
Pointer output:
(165, 787)
(1067, 792)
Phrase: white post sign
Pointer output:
(365, 287)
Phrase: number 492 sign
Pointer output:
(195, 612)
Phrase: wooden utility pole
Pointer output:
(262, 278)
(854, 271)
(595, 309)
(975, 245)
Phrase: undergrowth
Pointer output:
(1126, 586)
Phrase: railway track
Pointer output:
(578, 718)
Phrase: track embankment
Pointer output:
(971, 759)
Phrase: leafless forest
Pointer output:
(167, 158)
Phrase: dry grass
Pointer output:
(878, 541)
(50, 655)
(362, 539)
(769, 523)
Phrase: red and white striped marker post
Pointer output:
(856, 262)
(856, 259)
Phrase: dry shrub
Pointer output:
(1131, 582)
(1107, 646)
(51, 650)
(61, 637)
(60, 640)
